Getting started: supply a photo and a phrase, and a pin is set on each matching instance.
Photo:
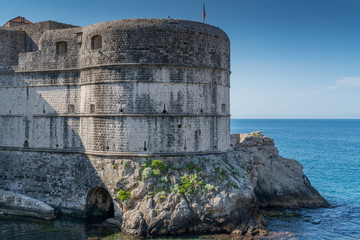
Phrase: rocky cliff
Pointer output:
(213, 193)
(204, 194)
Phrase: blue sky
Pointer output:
(290, 58)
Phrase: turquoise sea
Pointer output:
(329, 150)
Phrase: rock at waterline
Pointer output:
(19, 204)
(213, 193)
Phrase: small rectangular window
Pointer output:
(92, 108)
(61, 47)
(79, 37)
(96, 42)
(71, 108)
(223, 108)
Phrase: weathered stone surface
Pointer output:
(209, 193)
(155, 86)
(205, 194)
(277, 181)
(18, 204)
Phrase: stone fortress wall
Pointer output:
(151, 86)
(87, 99)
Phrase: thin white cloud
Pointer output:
(349, 81)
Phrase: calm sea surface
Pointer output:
(329, 150)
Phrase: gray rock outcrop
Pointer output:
(18, 204)
(203, 195)
(213, 193)
(277, 181)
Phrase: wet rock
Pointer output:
(19, 204)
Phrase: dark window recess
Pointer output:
(223, 108)
(185, 148)
(96, 42)
(61, 48)
(92, 108)
(107, 148)
(179, 126)
(79, 38)
(145, 149)
(57, 145)
(164, 109)
(71, 108)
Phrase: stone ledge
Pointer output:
(113, 154)
(133, 115)
(123, 65)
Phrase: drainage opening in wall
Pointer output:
(99, 205)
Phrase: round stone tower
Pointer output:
(154, 86)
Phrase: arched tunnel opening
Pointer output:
(99, 205)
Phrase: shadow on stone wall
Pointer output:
(42, 155)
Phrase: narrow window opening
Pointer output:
(145, 149)
(61, 48)
(57, 145)
(179, 126)
(79, 38)
(164, 109)
(26, 144)
(107, 148)
(201, 110)
(185, 148)
(121, 110)
(71, 108)
(92, 108)
(223, 108)
(96, 42)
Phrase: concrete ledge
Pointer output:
(18, 204)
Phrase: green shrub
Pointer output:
(232, 184)
(158, 164)
(176, 166)
(146, 173)
(164, 179)
(189, 184)
(156, 172)
(152, 168)
(123, 195)
(209, 187)
(125, 164)
(193, 166)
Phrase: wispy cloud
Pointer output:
(349, 81)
